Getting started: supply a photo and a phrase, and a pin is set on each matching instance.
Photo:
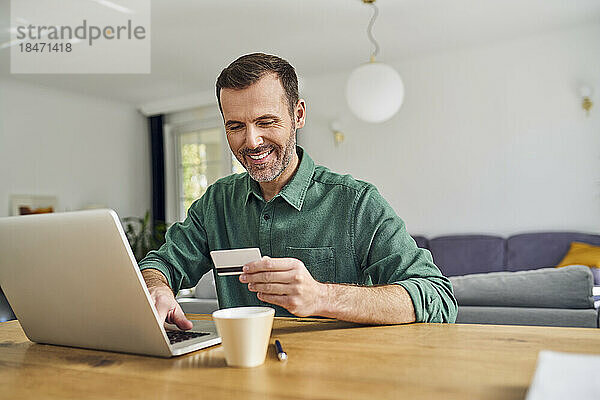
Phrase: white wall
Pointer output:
(489, 139)
(82, 149)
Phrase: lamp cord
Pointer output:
(370, 32)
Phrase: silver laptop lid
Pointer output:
(72, 280)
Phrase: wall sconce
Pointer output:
(586, 102)
(336, 129)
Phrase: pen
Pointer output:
(282, 355)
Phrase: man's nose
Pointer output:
(253, 137)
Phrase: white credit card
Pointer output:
(231, 262)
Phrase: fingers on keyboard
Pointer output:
(180, 336)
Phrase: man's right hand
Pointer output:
(168, 309)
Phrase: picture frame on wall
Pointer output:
(32, 204)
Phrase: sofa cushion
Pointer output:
(567, 287)
(190, 305)
(468, 254)
(540, 250)
(587, 318)
(206, 289)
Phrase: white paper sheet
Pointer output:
(565, 376)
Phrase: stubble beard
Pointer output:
(270, 171)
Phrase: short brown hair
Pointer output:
(248, 69)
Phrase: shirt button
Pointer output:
(266, 217)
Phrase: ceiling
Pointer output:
(192, 40)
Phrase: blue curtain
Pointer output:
(158, 168)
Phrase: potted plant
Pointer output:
(143, 235)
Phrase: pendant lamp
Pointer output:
(374, 91)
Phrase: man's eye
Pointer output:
(235, 127)
(265, 123)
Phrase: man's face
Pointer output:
(260, 130)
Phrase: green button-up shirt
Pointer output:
(342, 229)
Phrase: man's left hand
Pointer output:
(285, 282)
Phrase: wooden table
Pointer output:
(327, 359)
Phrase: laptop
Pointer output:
(72, 280)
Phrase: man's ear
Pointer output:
(300, 114)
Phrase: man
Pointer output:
(334, 246)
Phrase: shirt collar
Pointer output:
(294, 191)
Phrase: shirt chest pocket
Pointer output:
(319, 261)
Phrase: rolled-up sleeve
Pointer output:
(387, 254)
(183, 258)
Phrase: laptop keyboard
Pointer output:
(180, 336)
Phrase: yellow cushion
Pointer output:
(582, 254)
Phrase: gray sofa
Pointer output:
(496, 280)
(512, 281)
(485, 273)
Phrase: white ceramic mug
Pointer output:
(245, 332)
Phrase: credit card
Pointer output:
(231, 262)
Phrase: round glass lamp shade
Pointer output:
(374, 92)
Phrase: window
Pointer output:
(202, 162)
(196, 155)
(199, 164)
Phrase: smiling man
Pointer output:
(335, 247)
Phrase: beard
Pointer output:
(272, 169)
